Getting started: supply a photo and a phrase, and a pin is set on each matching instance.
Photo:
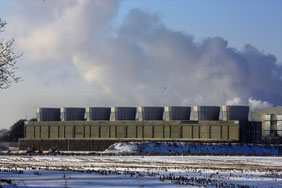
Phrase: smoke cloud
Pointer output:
(257, 104)
(141, 61)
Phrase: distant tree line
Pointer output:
(15, 132)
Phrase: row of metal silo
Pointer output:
(143, 113)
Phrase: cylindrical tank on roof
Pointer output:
(123, 113)
(97, 113)
(240, 113)
(206, 112)
(150, 113)
(72, 114)
(177, 113)
(267, 124)
(48, 114)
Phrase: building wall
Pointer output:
(207, 130)
(258, 115)
(271, 123)
(67, 144)
(131, 130)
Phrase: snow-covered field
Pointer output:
(138, 171)
(193, 148)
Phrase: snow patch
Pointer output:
(193, 148)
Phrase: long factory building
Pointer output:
(96, 128)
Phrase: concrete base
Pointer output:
(74, 144)
(272, 140)
(67, 144)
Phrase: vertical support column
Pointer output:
(221, 132)
(34, 132)
(143, 131)
(109, 131)
(199, 131)
(228, 137)
(24, 131)
(209, 131)
(83, 131)
(136, 135)
(181, 131)
(90, 130)
(99, 135)
(153, 131)
(115, 131)
(73, 132)
(126, 131)
(48, 131)
(163, 131)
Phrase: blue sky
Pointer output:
(241, 22)
(194, 49)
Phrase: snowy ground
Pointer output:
(138, 171)
(193, 148)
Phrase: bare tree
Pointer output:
(7, 60)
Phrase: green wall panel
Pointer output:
(204, 132)
(196, 132)
(234, 132)
(69, 131)
(53, 123)
(139, 131)
(131, 131)
(215, 132)
(120, 131)
(70, 123)
(175, 131)
(87, 131)
(148, 131)
(224, 132)
(105, 131)
(44, 132)
(29, 131)
(187, 131)
(113, 131)
(37, 132)
(156, 123)
(167, 131)
(78, 131)
(158, 131)
(43, 123)
(94, 131)
(61, 132)
(54, 132)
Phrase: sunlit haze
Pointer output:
(80, 53)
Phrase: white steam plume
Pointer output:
(234, 101)
(142, 61)
(257, 104)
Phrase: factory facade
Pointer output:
(96, 128)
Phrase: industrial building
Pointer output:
(270, 121)
(96, 128)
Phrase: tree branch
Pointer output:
(7, 61)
